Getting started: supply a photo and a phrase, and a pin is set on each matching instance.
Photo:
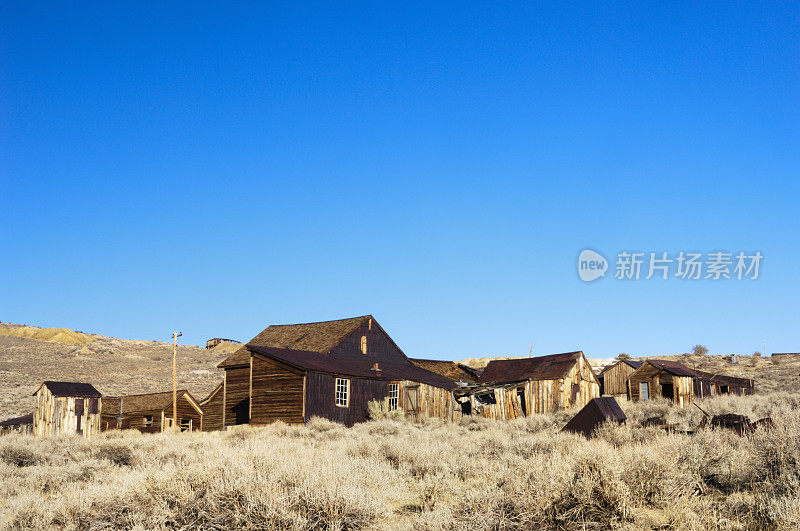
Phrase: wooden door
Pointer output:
(411, 401)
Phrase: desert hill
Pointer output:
(30, 354)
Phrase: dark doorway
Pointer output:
(466, 407)
(723, 390)
(242, 411)
(668, 391)
(521, 396)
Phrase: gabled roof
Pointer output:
(213, 393)
(630, 363)
(320, 337)
(673, 367)
(723, 379)
(74, 389)
(549, 367)
(450, 369)
(359, 367)
(16, 421)
(144, 402)
(593, 414)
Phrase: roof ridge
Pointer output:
(323, 322)
(149, 394)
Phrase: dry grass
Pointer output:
(388, 474)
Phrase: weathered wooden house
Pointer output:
(23, 424)
(680, 384)
(515, 388)
(330, 369)
(151, 412)
(615, 377)
(67, 407)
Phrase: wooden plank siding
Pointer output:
(320, 397)
(682, 386)
(615, 379)
(379, 345)
(542, 396)
(212, 409)
(237, 394)
(56, 415)
(433, 402)
(277, 392)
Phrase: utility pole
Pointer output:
(175, 336)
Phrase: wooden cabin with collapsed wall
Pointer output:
(508, 389)
(23, 424)
(329, 369)
(67, 407)
(680, 384)
(151, 412)
(615, 378)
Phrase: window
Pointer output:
(147, 421)
(79, 406)
(363, 344)
(342, 392)
(92, 406)
(486, 399)
(186, 424)
(644, 391)
(394, 396)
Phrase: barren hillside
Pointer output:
(113, 366)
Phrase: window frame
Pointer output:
(394, 389)
(364, 344)
(644, 385)
(339, 392)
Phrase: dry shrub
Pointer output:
(18, 455)
(471, 474)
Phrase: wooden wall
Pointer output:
(430, 401)
(236, 396)
(277, 392)
(212, 410)
(683, 387)
(320, 398)
(55, 415)
(186, 410)
(379, 344)
(615, 379)
(135, 419)
(542, 396)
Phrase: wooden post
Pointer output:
(175, 336)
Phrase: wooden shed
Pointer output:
(508, 389)
(330, 369)
(152, 412)
(67, 407)
(615, 377)
(23, 424)
(594, 414)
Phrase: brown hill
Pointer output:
(29, 355)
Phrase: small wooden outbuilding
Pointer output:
(615, 377)
(67, 407)
(152, 412)
(509, 389)
(23, 424)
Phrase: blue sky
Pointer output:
(218, 169)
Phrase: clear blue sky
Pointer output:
(218, 169)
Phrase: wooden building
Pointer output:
(212, 409)
(680, 384)
(23, 424)
(330, 369)
(615, 378)
(211, 343)
(152, 412)
(67, 407)
(509, 389)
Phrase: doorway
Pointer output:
(668, 391)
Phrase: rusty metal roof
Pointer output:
(450, 369)
(593, 414)
(673, 367)
(360, 367)
(142, 402)
(549, 367)
(76, 389)
(16, 421)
